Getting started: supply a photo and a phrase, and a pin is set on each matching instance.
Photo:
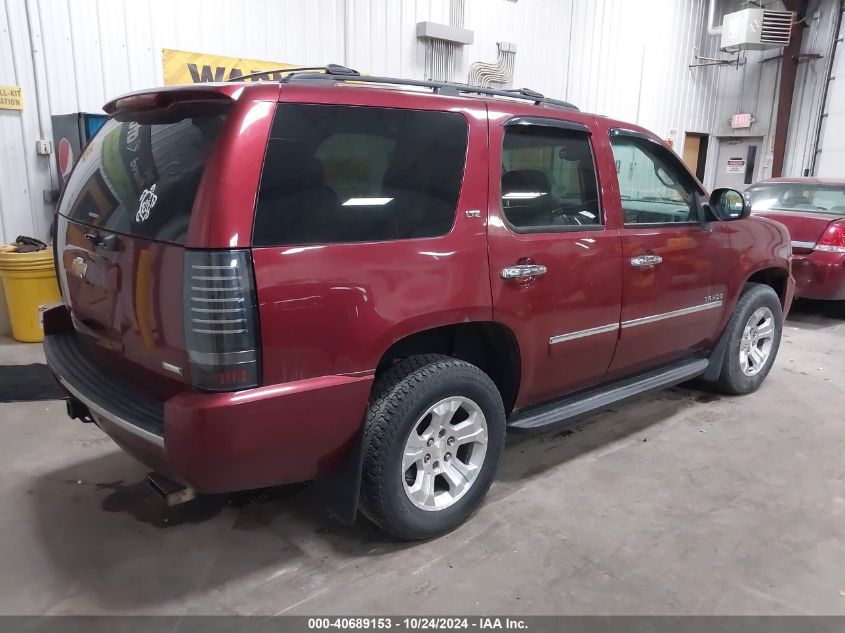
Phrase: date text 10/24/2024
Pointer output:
(416, 623)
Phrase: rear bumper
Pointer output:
(220, 442)
(819, 275)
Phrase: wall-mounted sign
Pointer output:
(184, 67)
(11, 98)
(672, 138)
(736, 165)
(739, 121)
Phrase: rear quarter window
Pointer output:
(336, 174)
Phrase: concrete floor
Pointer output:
(682, 502)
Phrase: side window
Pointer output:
(548, 179)
(335, 174)
(655, 189)
(828, 199)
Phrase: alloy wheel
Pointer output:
(757, 340)
(444, 453)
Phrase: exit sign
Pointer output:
(741, 120)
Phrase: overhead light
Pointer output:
(522, 195)
(366, 202)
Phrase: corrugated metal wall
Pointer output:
(830, 157)
(624, 58)
(809, 88)
(23, 174)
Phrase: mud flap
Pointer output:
(339, 490)
(717, 357)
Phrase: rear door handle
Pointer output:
(522, 271)
(646, 261)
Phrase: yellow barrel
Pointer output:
(29, 281)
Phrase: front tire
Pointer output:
(433, 437)
(754, 334)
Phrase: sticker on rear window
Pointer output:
(146, 203)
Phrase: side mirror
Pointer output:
(729, 204)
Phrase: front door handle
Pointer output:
(523, 271)
(646, 261)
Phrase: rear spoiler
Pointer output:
(167, 97)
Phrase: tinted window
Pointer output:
(141, 179)
(357, 174)
(548, 178)
(798, 197)
(655, 188)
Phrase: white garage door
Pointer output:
(831, 160)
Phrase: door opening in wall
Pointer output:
(695, 152)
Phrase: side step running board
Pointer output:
(552, 413)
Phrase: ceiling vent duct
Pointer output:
(756, 29)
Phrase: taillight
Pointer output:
(221, 320)
(833, 239)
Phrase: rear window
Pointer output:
(141, 179)
(337, 174)
(798, 197)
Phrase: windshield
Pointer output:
(798, 197)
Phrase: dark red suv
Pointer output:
(366, 281)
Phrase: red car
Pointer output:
(813, 209)
(366, 281)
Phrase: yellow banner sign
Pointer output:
(11, 98)
(183, 67)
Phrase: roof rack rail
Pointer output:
(527, 92)
(336, 72)
(329, 69)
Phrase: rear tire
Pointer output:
(754, 333)
(433, 437)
